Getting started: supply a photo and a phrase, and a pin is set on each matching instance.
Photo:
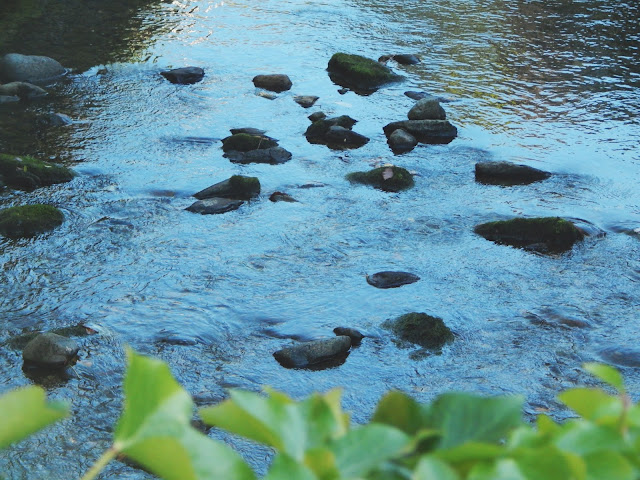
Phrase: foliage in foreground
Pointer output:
(458, 436)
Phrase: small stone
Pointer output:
(274, 82)
(267, 95)
(388, 179)
(340, 138)
(420, 329)
(355, 336)
(425, 131)
(249, 131)
(315, 353)
(244, 142)
(50, 350)
(305, 101)
(184, 75)
(401, 58)
(427, 109)
(314, 117)
(272, 156)
(391, 279)
(237, 187)
(506, 173)
(22, 90)
(212, 206)
(401, 141)
(282, 197)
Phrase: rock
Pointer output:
(420, 329)
(427, 109)
(505, 173)
(401, 58)
(314, 353)
(55, 120)
(244, 142)
(401, 141)
(355, 336)
(184, 75)
(314, 117)
(275, 82)
(237, 187)
(621, 355)
(425, 131)
(389, 179)
(8, 99)
(305, 101)
(15, 67)
(210, 206)
(51, 351)
(546, 234)
(268, 96)
(418, 95)
(342, 91)
(340, 138)
(250, 131)
(360, 74)
(28, 173)
(391, 279)
(282, 197)
(22, 90)
(29, 220)
(272, 156)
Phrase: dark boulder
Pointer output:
(272, 156)
(389, 179)
(50, 350)
(29, 220)
(184, 75)
(250, 131)
(340, 138)
(506, 173)
(314, 117)
(22, 90)
(15, 67)
(282, 197)
(427, 109)
(546, 234)
(425, 131)
(391, 279)
(305, 101)
(28, 173)
(210, 206)
(401, 141)
(275, 82)
(244, 142)
(317, 353)
(420, 329)
(355, 336)
(401, 58)
(360, 74)
(237, 187)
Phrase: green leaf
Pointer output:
(430, 468)
(322, 462)
(607, 374)
(470, 452)
(284, 467)
(546, 426)
(367, 447)
(546, 463)
(584, 438)
(469, 418)
(155, 430)
(504, 469)
(25, 411)
(609, 465)
(398, 410)
(322, 420)
(593, 404)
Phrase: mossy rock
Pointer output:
(29, 220)
(20, 341)
(361, 74)
(389, 179)
(542, 234)
(244, 142)
(420, 329)
(28, 173)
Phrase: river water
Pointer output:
(554, 84)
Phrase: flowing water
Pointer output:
(554, 84)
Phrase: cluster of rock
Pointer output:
(335, 132)
(225, 196)
(251, 145)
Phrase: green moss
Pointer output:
(29, 220)
(244, 188)
(243, 142)
(420, 329)
(27, 173)
(400, 180)
(552, 234)
(357, 72)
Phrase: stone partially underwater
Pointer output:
(388, 178)
(360, 74)
(317, 354)
(225, 196)
(29, 220)
(420, 329)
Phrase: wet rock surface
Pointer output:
(401, 141)
(237, 187)
(427, 109)
(282, 197)
(184, 75)
(276, 82)
(317, 353)
(425, 131)
(506, 173)
(420, 329)
(355, 335)
(305, 101)
(15, 67)
(245, 142)
(401, 58)
(272, 156)
(211, 206)
(22, 90)
(336, 133)
(360, 74)
(50, 350)
(389, 279)
(388, 179)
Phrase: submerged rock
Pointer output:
(272, 156)
(28, 173)
(420, 329)
(355, 336)
(244, 142)
(505, 173)
(184, 75)
(237, 187)
(401, 58)
(22, 90)
(425, 131)
(212, 206)
(401, 141)
(391, 279)
(315, 353)
(50, 350)
(274, 82)
(360, 74)
(305, 101)
(282, 197)
(15, 67)
(545, 234)
(389, 179)
(427, 109)
(29, 220)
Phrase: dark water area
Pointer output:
(552, 84)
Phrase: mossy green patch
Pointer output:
(359, 73)
(243, 142)
(27, 173)
(244, 188)
(553, 234)
(29, 220)
(420, 329)
(389, 179)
